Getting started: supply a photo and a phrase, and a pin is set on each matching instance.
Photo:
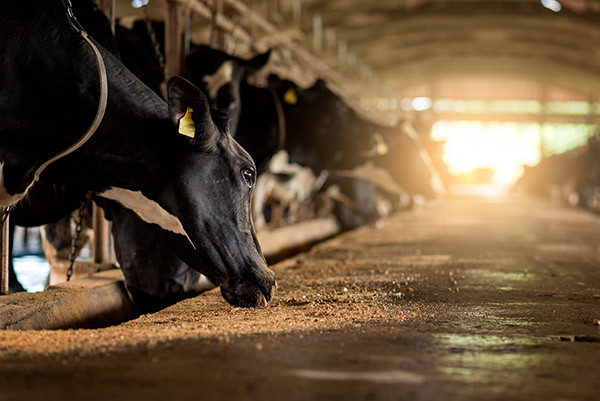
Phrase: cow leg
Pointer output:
(277, 213)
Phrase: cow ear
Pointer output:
(190, 112)
(288, 91)
(319, 84)
(256, 63)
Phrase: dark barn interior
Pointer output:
(300, 200)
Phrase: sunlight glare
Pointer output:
(501, 147)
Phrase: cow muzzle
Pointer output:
(256, 291)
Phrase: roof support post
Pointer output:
(317, 33)
(101, 245)
(173, 38)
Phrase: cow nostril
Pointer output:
(263, 301)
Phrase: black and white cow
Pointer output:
(318, 130)
(174, 165)
(216, 73)
(260, 130)
(407, 161)
(322, 130)
(155, 275)
(572, 177)
(219, 76)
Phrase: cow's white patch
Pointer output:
(204, 284)
(147, 209)
(7, 199)
(218, 79)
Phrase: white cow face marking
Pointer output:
(218, 79)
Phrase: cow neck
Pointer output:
(281, 123)
(99, 112)
(7, 199)
(103, 94)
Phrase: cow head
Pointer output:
(219, 75)
(206, 196)
(219, 180)
(404, 160)
(175, 165)
(323, 131)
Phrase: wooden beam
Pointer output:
(532, 53)
(297, 14)
(187, 32)
(425, 70)
(97, 301)
(173, 38)
(101, 244)
(223, 23)
(317, 34)
(281, 38)
(309, 61)
(514, 117)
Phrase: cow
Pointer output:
(135, 49)
(155, 275)
(572, 177)
(261, 130)
(363, 195)
(282, 185)
(174, 164)
(219, 76)
(408, 163)
(322, 130)
(216, 73)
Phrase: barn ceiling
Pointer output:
(406, 43)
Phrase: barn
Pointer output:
(300, 200)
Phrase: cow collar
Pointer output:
(5, 198)
(103, 93)
(281, 123)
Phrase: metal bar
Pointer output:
(5, 254)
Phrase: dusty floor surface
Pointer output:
(470, 299)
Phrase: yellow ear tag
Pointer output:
(290, 97)
(382, 148)
(186, 124)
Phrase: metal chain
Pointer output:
(75, 238)
(159, 56)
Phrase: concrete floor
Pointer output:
(469, 299)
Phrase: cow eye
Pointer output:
(248, 176)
